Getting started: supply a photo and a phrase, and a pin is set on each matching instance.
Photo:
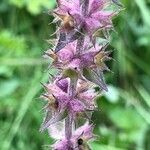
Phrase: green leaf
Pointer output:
(96, 146)
(144, 11)
(37, 6)
(8, 87)
(112, 95)
(34, 6)
(125, 118)
(18, 3)
(5, 71)
(11, 44)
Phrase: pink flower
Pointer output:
(80, 137)
(96, 16)
(91, 60)
(85, 132)
(59, 101)
(80, 63)
(87, 18)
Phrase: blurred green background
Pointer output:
(123, 122)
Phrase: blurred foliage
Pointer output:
(123, 122)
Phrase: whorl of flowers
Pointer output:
(79, 55)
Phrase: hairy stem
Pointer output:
(85, 7)
(68, 127)
(80, 44)
(69, 119)
(73, 81)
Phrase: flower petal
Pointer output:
(75, 64)
(76, 106)
(63, 84)
(61, 145)
(85, 131)
(91, 25)
(96, 5)
(61, 97)
(87, 59)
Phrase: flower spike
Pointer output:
(79, 55)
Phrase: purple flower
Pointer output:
(59, 101)
(91, 59)
(77, 17)
(78, 140)
(80, 63)
(96, 17)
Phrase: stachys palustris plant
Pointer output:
(79, 55)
